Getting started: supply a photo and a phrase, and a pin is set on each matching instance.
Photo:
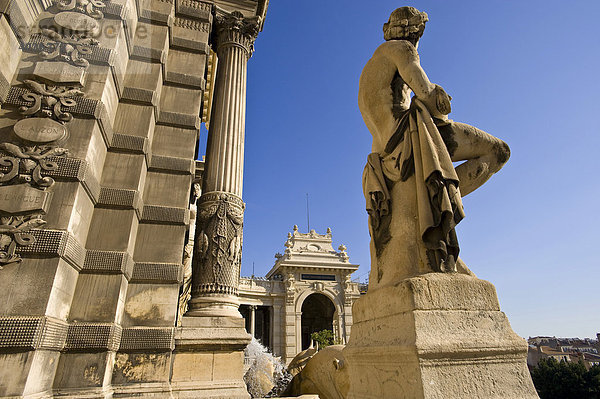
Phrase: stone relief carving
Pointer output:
(89, 7)
(238, 29)
(188, 252)
(69, 47)
(49, 100)
(26, 162)
(219, 243)
(13, 232)
(290, 289)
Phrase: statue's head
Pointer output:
(405, 23)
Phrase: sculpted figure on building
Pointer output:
(410, 171)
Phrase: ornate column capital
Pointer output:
(236, 30)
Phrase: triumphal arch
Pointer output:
(101, 103)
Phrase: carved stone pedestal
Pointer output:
(435, 336)
(209, 358)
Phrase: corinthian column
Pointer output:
(218, 249)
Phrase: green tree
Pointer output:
(323, 337)
(566, 380)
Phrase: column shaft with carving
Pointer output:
(220, 208)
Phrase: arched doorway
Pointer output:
(317, 315)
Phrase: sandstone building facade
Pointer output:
(309, 289)
(101, 103)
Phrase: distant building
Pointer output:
(585, 350)
(308, 289)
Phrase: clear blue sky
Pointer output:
(525, 71)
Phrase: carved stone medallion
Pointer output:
(76, 22)
(19, 198)
(39, 130)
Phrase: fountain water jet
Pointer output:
(266, 376)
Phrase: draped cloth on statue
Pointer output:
(417, 148)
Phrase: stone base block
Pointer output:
(209, 358)
(435, 336)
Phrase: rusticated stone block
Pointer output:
(98, 297)
(124, 171)
(121, 225)
(132, 368)
(93, 336)
(151, 43)
(55, 243)
(180, 107)
(157, 273)
(157, 11)
(147, 339)
(108, 262)
(127, 142)
(172, 164)
(150, 305)
(166, 215)
(143, 82)
(119, 198)
(186, 68)
(31, 332)
(191, 34)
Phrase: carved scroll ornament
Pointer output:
(67, 47)
(13, 231)
(89, 7)
(218, 244)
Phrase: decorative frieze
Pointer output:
(218, 244)
(155, 339)
(157, 273)
(93, 336)
(108, 262)
(192, 24)
(195, 9)
(32, 332)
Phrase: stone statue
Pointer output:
(427, 327)
(410, 171)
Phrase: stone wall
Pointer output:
(100, 114)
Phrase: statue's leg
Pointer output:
(484, 154)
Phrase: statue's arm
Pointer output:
(404, 55)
